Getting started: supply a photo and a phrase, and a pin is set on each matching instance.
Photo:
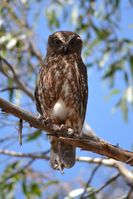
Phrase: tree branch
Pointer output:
(128, 175)
(25, 155)
(97, 146)
(16, 79)
(102, 186)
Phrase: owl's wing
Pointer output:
(38, 89)
(83, 88)
(45, 92)
(38, 104)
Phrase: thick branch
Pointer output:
(96, 146)
(15, 110)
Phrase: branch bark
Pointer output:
(97, 146)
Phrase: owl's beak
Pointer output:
(65, 48)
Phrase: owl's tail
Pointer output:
(62, 155)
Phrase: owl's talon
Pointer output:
(45, 121)
(71, 132)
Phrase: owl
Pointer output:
(61, 92)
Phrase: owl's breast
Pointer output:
(60, 91)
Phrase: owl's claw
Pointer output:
(59, 167)
(71, 132)
(44, 120)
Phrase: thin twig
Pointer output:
(9, 88)
(16, 79)
(90, 179)
(103, 186)
(129, 193)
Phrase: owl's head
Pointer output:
(64, 42)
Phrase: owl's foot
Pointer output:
(71, 132)
(59, 166)
(46, 121)
(66, 131)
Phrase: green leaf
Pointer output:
(101, 33)
(122, 104)
(52, 19)
(131, 65)
(112, 93)
(11, 92)
(7, 186)
(9, 169)
(34, 136)
(126, 77)
(116, 3)
(35, 189)
(49, 183)
(124, 108)
(24, 187)
(112, 70)
(89, 191)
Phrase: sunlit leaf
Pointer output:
(129, 94)
(11, 43)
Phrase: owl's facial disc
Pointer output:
(64, 42)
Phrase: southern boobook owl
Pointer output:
(61, 92)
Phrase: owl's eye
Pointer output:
(73, 42)
(57, 41)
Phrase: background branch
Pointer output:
(127, 174)
(25, 155)
(16, 78)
